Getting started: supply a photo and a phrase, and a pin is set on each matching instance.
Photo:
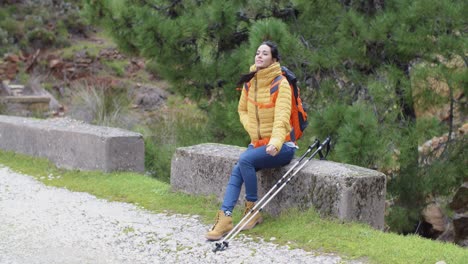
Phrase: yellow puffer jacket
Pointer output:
(261, 123)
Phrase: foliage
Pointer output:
(3, 107)
(359, 141)
(32, 25)
(445, 172)
(117, 67)
(91, 49)
(3, 40)
(39, 38)
(432, 180)
(224, 124)
(366, 68)
(99, 105)
(177, 125)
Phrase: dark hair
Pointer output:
(274, 49)
(274, 54)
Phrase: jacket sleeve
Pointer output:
(281, 126)
(242, 110)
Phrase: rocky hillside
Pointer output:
(58, 73)
(43, 75)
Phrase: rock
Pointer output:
(463, 130)
(460, 228)
(460, 220)
(55, 63)
(12, 58)
(345, 191)
(434, 216)
(110, 54)
(149, 98)
(17, 89)
(460, 200)
(4, 89)
(433, 148)
(8, 70)
(459, 204)
(448, 235)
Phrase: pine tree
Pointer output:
(365, 68)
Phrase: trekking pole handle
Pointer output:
(314, 145)
(318, 150)
(327, 141)
(327, 150)
(309, 149)
(260, 203)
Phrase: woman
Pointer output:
(268, 128)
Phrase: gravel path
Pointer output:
(41, 224)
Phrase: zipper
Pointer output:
(256, 109)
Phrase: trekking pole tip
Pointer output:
(220, 246)
(217, 247)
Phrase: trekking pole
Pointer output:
(280, 185)
(239, 226)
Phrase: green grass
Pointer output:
(305, 230)
(90, 47)
(116, 66)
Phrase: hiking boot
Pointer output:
(221, 227)
(257, 219)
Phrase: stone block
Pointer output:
(73, 144)
(348, 192)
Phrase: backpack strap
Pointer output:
(273, 96)
(273, 93)
(275, 84)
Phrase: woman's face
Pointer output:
(263, 58)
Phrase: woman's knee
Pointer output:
(245, 159)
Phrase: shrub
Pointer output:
(14, 29)
(99, 105)
(224, 124)
(180, 124)
(75, 24)
(3, 41)
(40, 38)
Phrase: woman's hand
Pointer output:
(270, 149)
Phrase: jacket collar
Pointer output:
(267, 75)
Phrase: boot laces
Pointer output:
(247, 211)
(216, 222)
(248, 208)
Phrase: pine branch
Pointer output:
(168, 10)
(465, 59)
(158, 8)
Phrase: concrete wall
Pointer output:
(73, 144)
(344, 191)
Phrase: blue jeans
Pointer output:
(250, 161)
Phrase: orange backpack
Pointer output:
(298, 119)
